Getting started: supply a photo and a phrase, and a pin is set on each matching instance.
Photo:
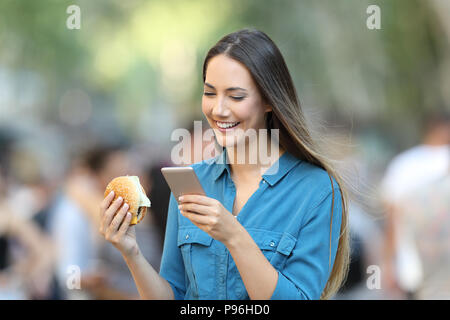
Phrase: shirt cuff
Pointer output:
(287, 290)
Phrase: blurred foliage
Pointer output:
(140, 61)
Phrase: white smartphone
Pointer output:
(182, 180)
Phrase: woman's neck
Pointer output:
(254, 162)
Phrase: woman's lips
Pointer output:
(221, 129)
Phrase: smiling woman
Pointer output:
(276, 231)
(290, 238)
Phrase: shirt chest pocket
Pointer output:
(276, 247)
(195, 246)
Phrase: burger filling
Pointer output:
(144, 201)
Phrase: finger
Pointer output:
(103, 207)
(115, 223)
(197, 218)
(125, 224)
(105, 203)
(109, 214)
(196, 198)
(194, 207)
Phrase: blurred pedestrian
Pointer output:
(74, 225)
(26, 258)
(412, 171)
(425, 220)
(104, 274)
(26, 252)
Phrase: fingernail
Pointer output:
(126, 206)
(180, 207)
(119, 198)
(111, 193)
(180, 198)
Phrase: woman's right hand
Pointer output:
(115, 225)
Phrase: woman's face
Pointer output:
(231, 101)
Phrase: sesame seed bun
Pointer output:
(132, 192)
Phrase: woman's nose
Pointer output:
(220, 109)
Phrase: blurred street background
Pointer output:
(79, 107)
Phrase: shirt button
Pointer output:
(272, 243)
(187, 236)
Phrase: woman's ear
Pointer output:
(267, 108)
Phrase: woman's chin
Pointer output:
(226, 142)
(229, 141)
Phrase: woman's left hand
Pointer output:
(209, 215)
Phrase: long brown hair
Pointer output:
(255, 50)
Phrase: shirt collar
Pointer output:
(221, 164)
(277, 171)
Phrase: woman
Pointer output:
(259, 233)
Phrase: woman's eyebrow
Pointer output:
(235, 88)
(228, 89)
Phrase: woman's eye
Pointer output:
(236, 98)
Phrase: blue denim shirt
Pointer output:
(288, 217)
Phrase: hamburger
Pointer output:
(130, 189)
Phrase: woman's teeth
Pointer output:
(227, 125)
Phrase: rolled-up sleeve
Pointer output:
(172, 266)
(307, 269)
